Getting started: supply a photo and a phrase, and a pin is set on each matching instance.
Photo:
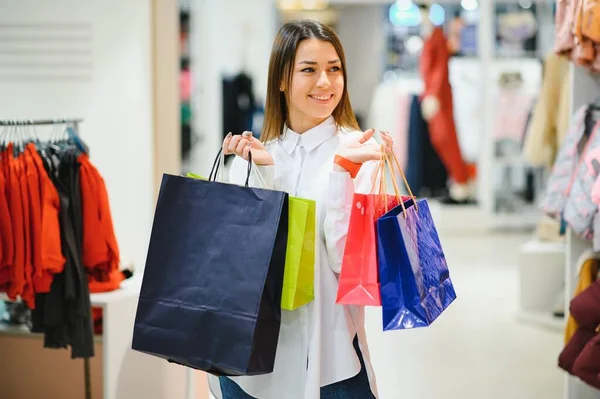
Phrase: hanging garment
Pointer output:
(512, 112)
(588, 273)
(6, 232)
(65, 314)
(560, 180)
(579, 208)
(578, 32)
(238, 104)
(442, 129)
(390, 111)
(434, 176)
(417, 129)
(564, 21)
(577, 356)
(42, 238)
(426, 174)
(587, 364)
(550, 121)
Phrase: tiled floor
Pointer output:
(476, 349)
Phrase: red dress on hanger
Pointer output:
(442, 130)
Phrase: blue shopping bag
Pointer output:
(212, 286)
(415, 282)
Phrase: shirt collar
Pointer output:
(311, 139)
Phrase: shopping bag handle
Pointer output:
(219, 163)
(395, 159)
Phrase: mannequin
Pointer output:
(437, 109)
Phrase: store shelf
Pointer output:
(10, 329)
(23, 331)
(542, 319)
(127, 290)
(458, 217)
(544, 247)
(130, 289)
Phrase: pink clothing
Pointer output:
(564, 21)
(512, 111)
(185, 85)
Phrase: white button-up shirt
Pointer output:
(315, 341)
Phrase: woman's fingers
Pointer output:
(234, 143)
(387, 139)
(226, 142)
(239, 150)
(366, 136)
(246, 150)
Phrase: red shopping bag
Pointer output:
(359, 277)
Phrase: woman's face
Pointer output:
(317, 84)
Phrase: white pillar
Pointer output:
(485, 40)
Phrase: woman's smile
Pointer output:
(322, 98)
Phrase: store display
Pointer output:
(425, 171)
(559, 182)
(66, 247)
(569, 194)
(588, 265)
(442, 129)
(396, 108)
(550, 119)
(238, 103)
(515, 30)
(578, 32)
(581, 355)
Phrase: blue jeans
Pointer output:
(356, 387)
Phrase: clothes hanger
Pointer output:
(74, 137)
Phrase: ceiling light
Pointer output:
(469, 5)
(526, 4)
(437, 14)
(404, 5)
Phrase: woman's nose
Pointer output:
(323, 80)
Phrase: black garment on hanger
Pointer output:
(238, 104)
(426, 174)
(64, 314)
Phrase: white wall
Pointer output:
(360, 28)
(226, 36)
(102, 73)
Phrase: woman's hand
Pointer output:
(359, 150)
(241, 145)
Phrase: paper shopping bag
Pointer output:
(212, 286)
(359, 277)
(298, 280)
(415, 282)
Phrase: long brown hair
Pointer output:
(281, 68)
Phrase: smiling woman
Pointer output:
(311, 147)
(307, 70)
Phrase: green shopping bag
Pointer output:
(195, 176)
(299, 275)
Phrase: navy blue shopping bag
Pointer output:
(414, 278)
(211, 291)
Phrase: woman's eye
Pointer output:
(335, 69)
(308, 70)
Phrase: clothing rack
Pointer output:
(586, 89)
(39, 122)
(75, 123)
